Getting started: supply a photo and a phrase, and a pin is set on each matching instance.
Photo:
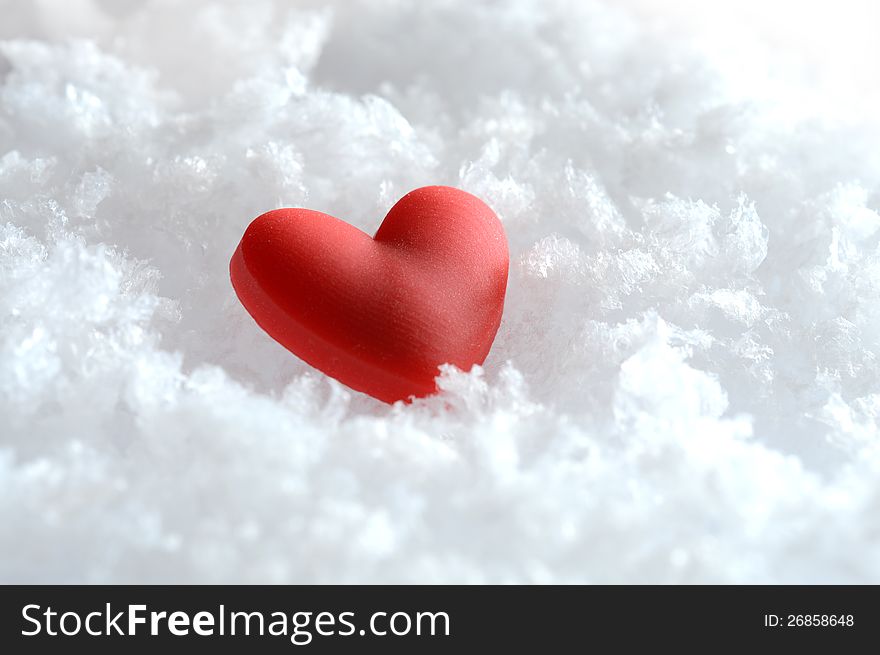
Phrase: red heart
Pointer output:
(379, 314)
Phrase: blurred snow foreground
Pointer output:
(685, 387)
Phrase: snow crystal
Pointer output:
(685, 385)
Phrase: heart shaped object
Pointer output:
(379, 314)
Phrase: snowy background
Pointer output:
(685, 386)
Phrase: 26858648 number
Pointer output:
(821, 620)
(809, 620)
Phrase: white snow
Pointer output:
(685, 386)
